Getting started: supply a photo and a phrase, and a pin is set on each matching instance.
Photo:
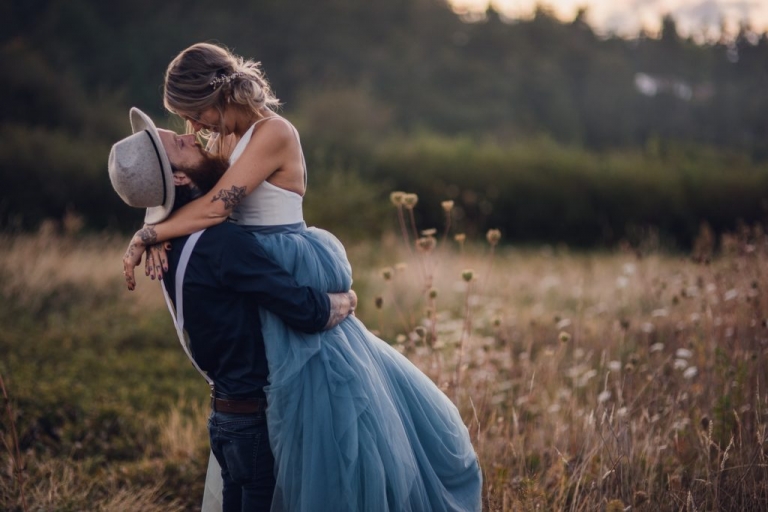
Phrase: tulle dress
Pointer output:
(354, 426)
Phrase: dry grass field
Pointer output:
(590, 381)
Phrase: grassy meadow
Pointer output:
(619, 380)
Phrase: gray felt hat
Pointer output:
(140, 171)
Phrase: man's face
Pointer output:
(183, 150)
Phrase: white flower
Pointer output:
(731, 294)
(657, 347)
(602, 397)
(659, 312)
(614, 366)
(683, 353)
(690, 372)
(680, 364)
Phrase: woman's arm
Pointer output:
(264, 155)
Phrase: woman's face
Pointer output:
(209, 119)
(183, 150)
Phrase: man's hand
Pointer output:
(342, 305)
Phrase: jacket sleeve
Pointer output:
(246, 268)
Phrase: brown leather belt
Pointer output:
(244, 406)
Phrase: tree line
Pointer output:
(357, 77)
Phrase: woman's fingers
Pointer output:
(159, 260)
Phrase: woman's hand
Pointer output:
(132, 257)
(157, 260)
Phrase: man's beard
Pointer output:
(204, 177)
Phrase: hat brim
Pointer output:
(142, 122)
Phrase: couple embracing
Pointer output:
(310, 411)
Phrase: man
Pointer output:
(223, 281)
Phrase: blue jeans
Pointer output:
(240, 442)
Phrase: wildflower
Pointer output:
(386, 273)
(467, 274)
(420, 331)
(629, 368)
(683, 353)
(400, 339)
(410, 200)
(397, 198)
(379, 301)
(429, 232)
(656, 347)
(461, 237)
(614, 366)
(690, 373)
(564, 337)
(447, 206)
(432, 293)
(493, 236)
(603, 397)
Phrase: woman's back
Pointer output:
(269, 204)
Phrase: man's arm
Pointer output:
(342, 305)
(245, 267)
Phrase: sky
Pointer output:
(701, 18)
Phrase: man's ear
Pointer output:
(180, 179)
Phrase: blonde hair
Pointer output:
(209, 76)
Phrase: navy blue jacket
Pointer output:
(229, 276)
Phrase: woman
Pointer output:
(353, 424)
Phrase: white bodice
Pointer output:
(268, 204)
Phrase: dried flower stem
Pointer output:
(403, 228)
(15, 451)
(464, 334)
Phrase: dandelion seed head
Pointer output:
(426, 243)
(493, 236)
(447, 206)
(461, 238)
(410, 200)
(397, 198)
(603, 397)
(614, 366)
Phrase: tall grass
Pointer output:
(588, 381)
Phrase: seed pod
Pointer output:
(493, 236)
(397, 198)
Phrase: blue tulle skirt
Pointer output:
(354, 426)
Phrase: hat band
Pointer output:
(160, 161)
